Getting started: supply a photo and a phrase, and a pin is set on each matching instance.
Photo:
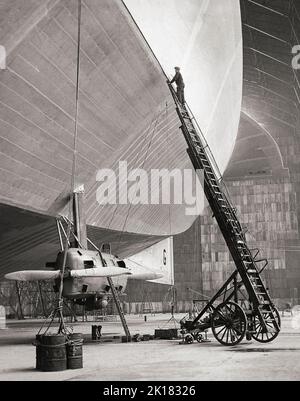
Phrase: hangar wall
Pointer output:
(187, 274)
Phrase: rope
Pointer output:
(58, 311)
(169, 167)
(77, 99)
(75, 343)
(60, 299)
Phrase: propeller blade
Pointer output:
(107, 271)
(146, 276)
(141, 272)
(33, 275)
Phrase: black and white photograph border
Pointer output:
(149, 193)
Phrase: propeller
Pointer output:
(107, 271)
(36, 275)
(33, 275)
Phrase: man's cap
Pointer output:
(177, 68)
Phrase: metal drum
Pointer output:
(74, 351)
(38, 351)
(51, 352)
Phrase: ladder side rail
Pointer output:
(214, 203)
(201, 156)
(197, 163)
(232, 244)
(209, 154)
(230, 240)
(208, 149)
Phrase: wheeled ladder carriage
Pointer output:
(242, 307)
(232, 321)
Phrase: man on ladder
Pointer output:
(180, 85)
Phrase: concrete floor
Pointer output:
(158, 360)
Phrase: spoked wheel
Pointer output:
(264, 337)
(199, 337)
(229, 323)
(188, 339)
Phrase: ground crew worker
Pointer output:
(180, 85)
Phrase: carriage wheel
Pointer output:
(199, 337)
(262, 337)
(188, 339)
(229, 323)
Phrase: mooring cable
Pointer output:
(60, 294)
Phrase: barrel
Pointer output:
(2, 317)
(51, 353)
(38, 351)
(74, 351)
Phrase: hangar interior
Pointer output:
(262, 178)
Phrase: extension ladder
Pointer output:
(247, 266)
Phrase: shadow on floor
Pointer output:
(263, 349)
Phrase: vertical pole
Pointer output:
(59, 234)
(119, 308)
(21, 316)
(235, 289)
(79, 218)
(41, 298)
(83, 313)
(174, 298)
